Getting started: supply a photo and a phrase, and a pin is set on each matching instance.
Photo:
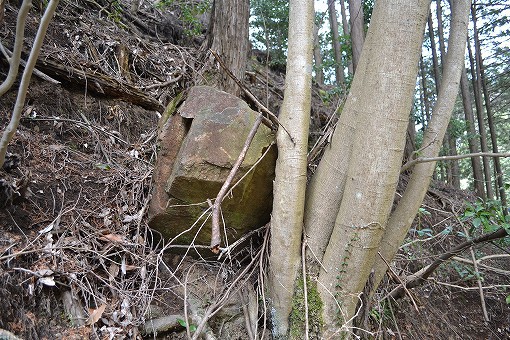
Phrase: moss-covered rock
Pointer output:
(198, 147)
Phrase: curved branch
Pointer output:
(18, 45)
(420, 276)
(25, 80)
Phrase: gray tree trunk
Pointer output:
(361, 177)
(317, 56)
(291, 166)
(346, 30)
(402, 217)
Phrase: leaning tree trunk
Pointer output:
(402, 217)
(229, 38)
(290, 181)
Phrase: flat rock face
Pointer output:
(198, 147)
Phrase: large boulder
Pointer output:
(198, 146)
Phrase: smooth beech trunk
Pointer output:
(291, 166)
(402, 217)
(367, 147)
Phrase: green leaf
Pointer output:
(181, 322)
(508, 299)
(103, 166)
(192, 328)
(477, 222)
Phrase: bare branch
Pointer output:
(215, 234)
(447, 158)
(25, 80)
(18, 45)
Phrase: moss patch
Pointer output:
(297, 316)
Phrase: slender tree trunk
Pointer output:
(433, 49)
(357, 30)
(471, 131)
(481, 124)
(402, 217)
(410, 140)
(317, 56)
(426, 101)
(333, 23)
(346, 30)
(291, 166)
(453, 165)
(229, 28)
(500, 186)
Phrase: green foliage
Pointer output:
(269, 28)
(192, 327)
(486, 216)
(368, 8)
(115, 12)
(189, 13)
(381, 312)
(297, 316)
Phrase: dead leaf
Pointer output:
(95, 315)
(113, 271)
(47, 281)
(113, 238)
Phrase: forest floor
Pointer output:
(73, 222)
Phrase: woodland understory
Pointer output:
(77, 258)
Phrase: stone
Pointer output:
(198, 145)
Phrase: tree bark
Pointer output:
(291, 166)
(402, 217)
(357, 30)
(229, 29)
(333, 23)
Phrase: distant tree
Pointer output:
(335, 42)
(229, 38)
(270, 22)
(357, 20)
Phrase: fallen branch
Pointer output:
(215, 233)
(421, 276)
(100, 84)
